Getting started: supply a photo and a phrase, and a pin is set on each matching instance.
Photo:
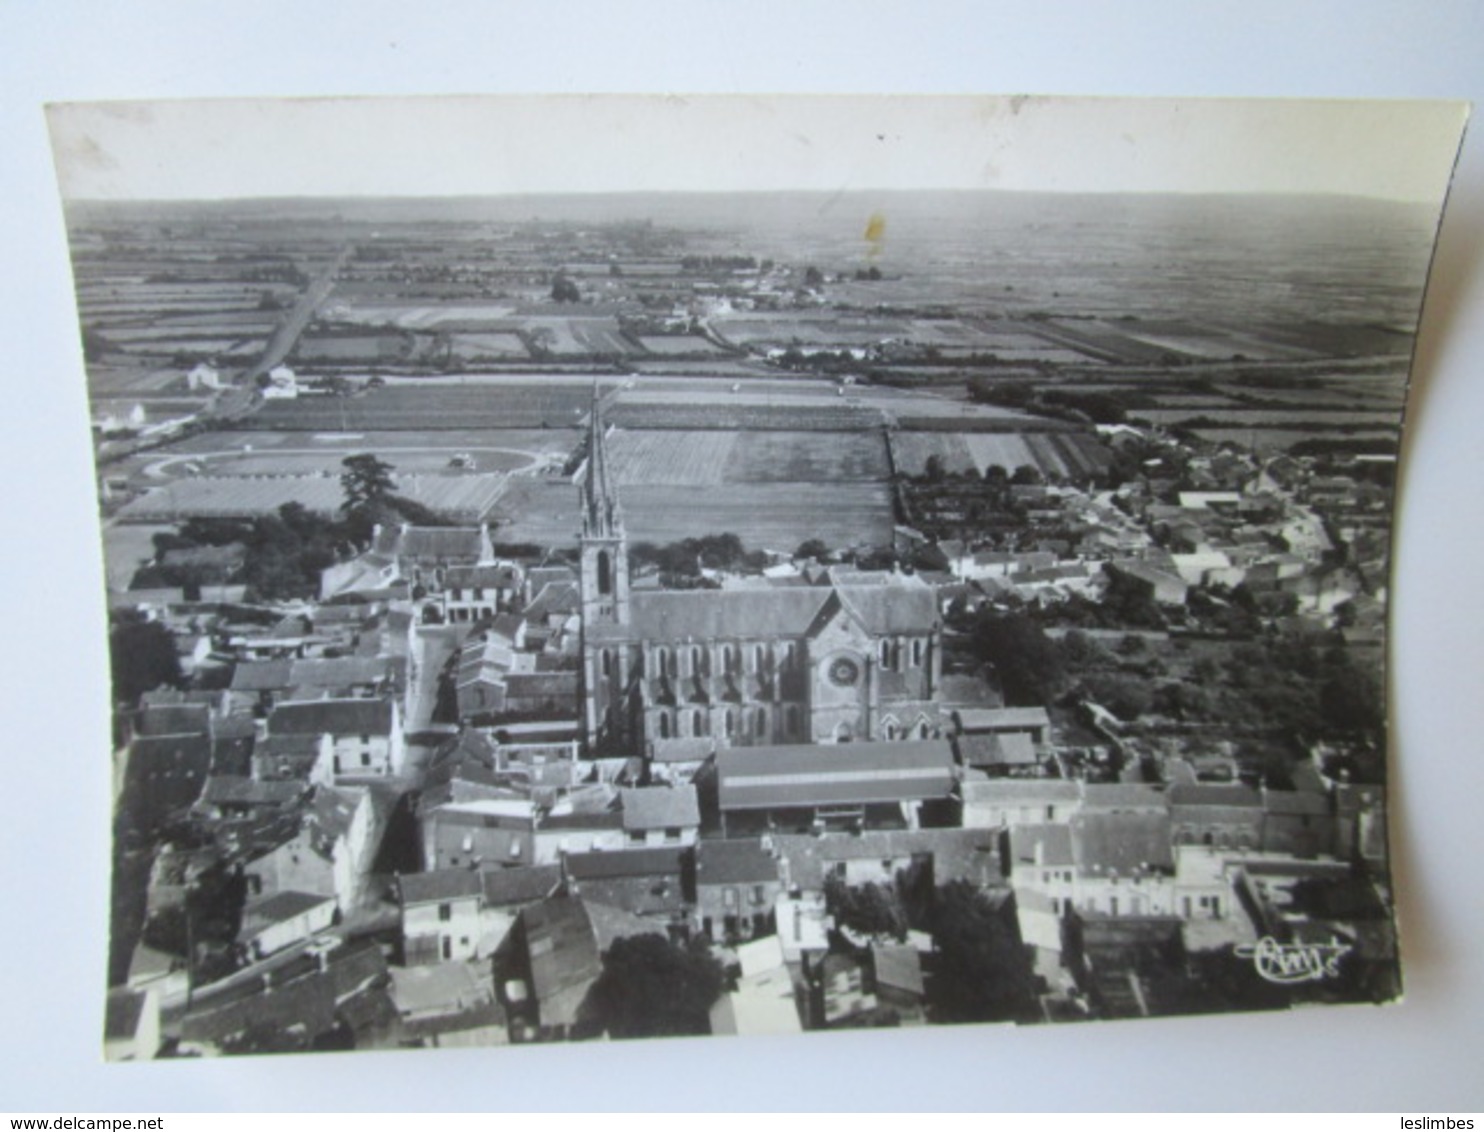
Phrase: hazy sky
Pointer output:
(479, 146)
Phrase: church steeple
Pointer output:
(603, 542)
(601, 515)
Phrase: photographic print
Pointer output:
(588, 567)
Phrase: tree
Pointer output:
(651, 987)
(143, 657)
(870, 909)
(812, 277)
(1027, 662)
(812, 548)
(984, 974)
(563, 290)
(934, 470)
(1027, 475)
(365, 480)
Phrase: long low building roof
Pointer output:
(763, 778)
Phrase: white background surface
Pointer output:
(1421, 1056)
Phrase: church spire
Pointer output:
(601, 515)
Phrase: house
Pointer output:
(365, 735)
(1161, 586)
(651, 883)
(1004, 803)
(440, 915)
(496, 832)
(737, 884)
(1031, 722)
(1225, 816)
(453, 915)
(764, 1000)
(307, 998)
(325, 853)
(896, 979)
(163, 777)
(435, 1003)
(131, 1025)
(858, 785)
(477, 593)
(561, 942)
(1298, 823)
(661, 815)
(282, 920)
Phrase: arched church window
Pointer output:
(885, 654)
(664, 722)
(762, 723)
(917, 654)
(605, 573)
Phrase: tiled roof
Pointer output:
(173, 719)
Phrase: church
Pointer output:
(855, 657)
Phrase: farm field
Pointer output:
(412, 315)
(1281, 440)
(670, 457)
(433, 406)
(1059, 454)
(764, 516)
(1320, 419)
(499, 344)
(801, 457)
(663, 344)
(463, 498)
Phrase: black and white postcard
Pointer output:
(588, 567)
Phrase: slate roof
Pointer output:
(1122, 844)
(339, 672)
(1207, 794)
(1055, 840)
(1013, 749)
(276, 909)
(660, 807)
(904, 605)
(1123, 796)
(734, 862)
(615, 863)
(239, 790)
(500, 576)
(564, 956)
(1002, 719)
(958, 854)
(337, 717)
(1295, 802)
(504, 887)
(1021, 791)
(438, 886)
(754, 778)
(173, 719)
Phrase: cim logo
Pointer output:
(1285, 963)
